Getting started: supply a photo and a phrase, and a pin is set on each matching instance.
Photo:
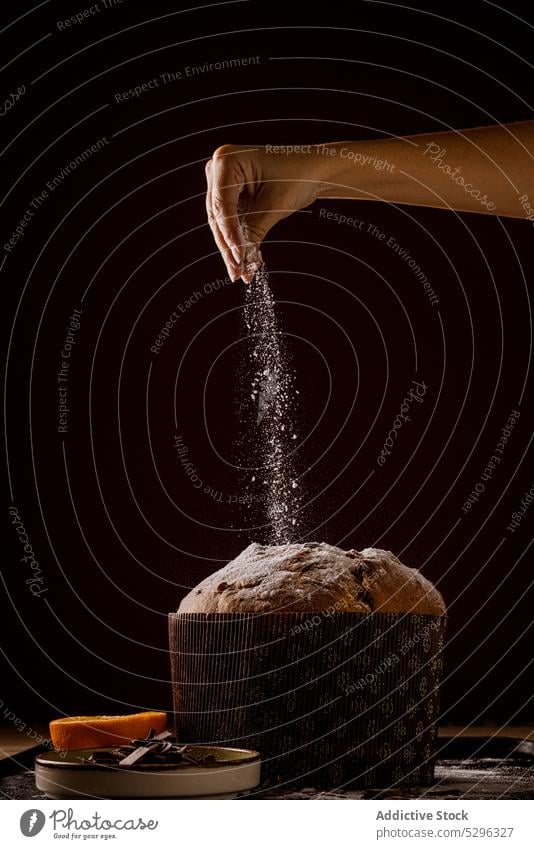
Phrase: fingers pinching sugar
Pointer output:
(227, 216)
(225, 191)
(253, 260)
(233, 267)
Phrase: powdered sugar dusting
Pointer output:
(313, 577)
(273, 396)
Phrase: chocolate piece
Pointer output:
(152, 744)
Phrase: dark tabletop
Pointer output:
(470, 768)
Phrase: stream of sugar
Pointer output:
(273, 395)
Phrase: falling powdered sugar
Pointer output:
(272, 394)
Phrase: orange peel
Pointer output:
(93, 732)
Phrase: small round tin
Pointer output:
(221, 773)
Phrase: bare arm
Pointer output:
(488, 170)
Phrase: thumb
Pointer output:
(254, 227)
(256, 224)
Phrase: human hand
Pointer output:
(250, 188)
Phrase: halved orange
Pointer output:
(92, 732)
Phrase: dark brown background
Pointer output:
(118, 562)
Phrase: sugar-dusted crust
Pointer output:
(314, 577)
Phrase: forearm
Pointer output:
(488, 170)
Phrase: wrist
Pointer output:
(356, 169)
(330, 169)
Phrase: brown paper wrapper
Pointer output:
(328, 699)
